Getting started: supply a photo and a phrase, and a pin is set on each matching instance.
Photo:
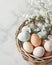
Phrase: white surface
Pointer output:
(8, 25)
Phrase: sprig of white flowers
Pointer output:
(43, 7)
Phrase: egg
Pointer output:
(28, 47)
(26, 28)
(24, 36)
(48, 45)
(38, 51)
(42, 34)
(35, 40)
(47, 54)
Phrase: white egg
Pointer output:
(38, 51)
(48, 45)
(28, 47)
(24, 36)
(27, 29)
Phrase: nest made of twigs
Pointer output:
(27, 56)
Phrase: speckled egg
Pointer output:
(48, 45)
(42, 34)
(24, 36)
(38, 51)
(35, 40)
(28, 47)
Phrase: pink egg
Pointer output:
(38, 51)
(47, 54)
(48, 46)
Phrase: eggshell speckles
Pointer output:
(48, 45)
(28, 47)
(38, 51)
(35, 40)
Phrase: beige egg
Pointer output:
(35, 40)
(48, 45)
(38, 51)
(28, 47)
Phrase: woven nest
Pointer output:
(27, 56)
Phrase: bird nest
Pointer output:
(29, 57)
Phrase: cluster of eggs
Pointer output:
(35, 43)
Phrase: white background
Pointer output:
(10, 10)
